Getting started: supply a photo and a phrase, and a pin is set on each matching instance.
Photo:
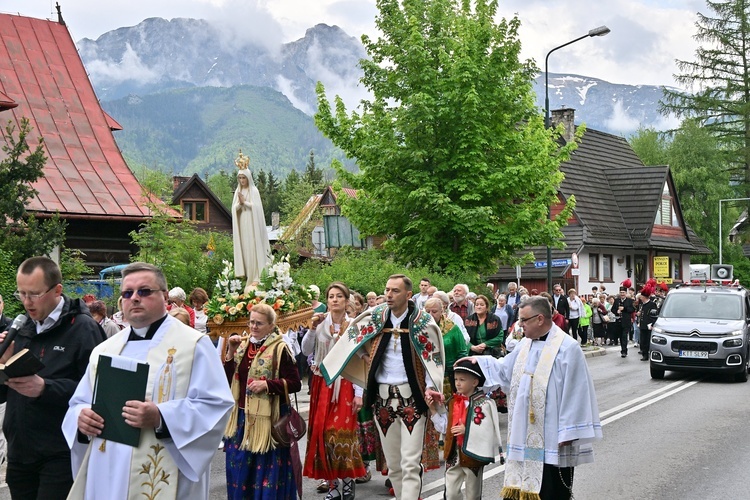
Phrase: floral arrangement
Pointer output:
(231, 302)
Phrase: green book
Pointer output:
(118, 379)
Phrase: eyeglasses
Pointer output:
(524, 320)
(33, 297)
(259, 324)
(142, 292)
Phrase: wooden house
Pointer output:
(200, 204)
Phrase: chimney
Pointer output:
(275, 220)
(566, 116)
(177, 181)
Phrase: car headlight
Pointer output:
(735, 333)
(733, 343)
(655, 339)
(656, 329)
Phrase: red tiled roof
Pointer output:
(85, 174)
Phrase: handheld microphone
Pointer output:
(12, 332)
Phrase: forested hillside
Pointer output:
(200, 130)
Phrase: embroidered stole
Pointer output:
(260, 412)
(153, 471)
(523, 480)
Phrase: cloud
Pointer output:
(129, 68)
(287, 88)
(246, 22)
(319, 66)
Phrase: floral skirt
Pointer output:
(257, 476)
(332, 437)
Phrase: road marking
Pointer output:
(672, 389)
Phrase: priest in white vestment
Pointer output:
(252, 251)
(553, 415)
(186, 409)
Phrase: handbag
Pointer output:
(290, 426)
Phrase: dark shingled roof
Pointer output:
(617, 198)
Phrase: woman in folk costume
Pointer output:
(553, 417)
(257, 468)
(333, 443)
(251, 247)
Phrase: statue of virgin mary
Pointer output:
(252, 250)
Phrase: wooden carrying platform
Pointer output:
(301, 317)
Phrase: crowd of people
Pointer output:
(396, 380)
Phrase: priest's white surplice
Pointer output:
(571, 411)
(195, 424)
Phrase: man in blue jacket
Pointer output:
(61, 333)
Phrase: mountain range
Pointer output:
(190, 94)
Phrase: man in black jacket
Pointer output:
(561, 301)
(61, 333)
(646, 320)
(623, 307)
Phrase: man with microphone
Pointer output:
(61, 333)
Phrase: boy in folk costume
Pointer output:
(473, 438)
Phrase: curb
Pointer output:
(596, 351)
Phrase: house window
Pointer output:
(606, 268)
(593, 267)
(665, 214)
(676, 268)
(195, 210)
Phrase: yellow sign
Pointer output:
(667, 281)
(661, 267)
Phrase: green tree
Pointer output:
(697, 163)
(21, 234)
(455, 163)
(368, 270)
(313, 175)
(294, 195)
(223, 187)
(718, 85)
(180, 251)
(651, 146)
(156, 183)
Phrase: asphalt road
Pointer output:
(682, 438)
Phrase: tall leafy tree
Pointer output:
(717, 84)
(456, 166)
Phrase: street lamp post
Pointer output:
(720, 232)
(600, 31)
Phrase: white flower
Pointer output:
(235, 285)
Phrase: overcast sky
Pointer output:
(647, 35)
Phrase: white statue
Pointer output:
(251, 248)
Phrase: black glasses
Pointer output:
(33, 297)
(142, 292)
(524, 320)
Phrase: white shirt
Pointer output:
(49, 321)
(391, 370)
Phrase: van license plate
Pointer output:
(694, 354)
